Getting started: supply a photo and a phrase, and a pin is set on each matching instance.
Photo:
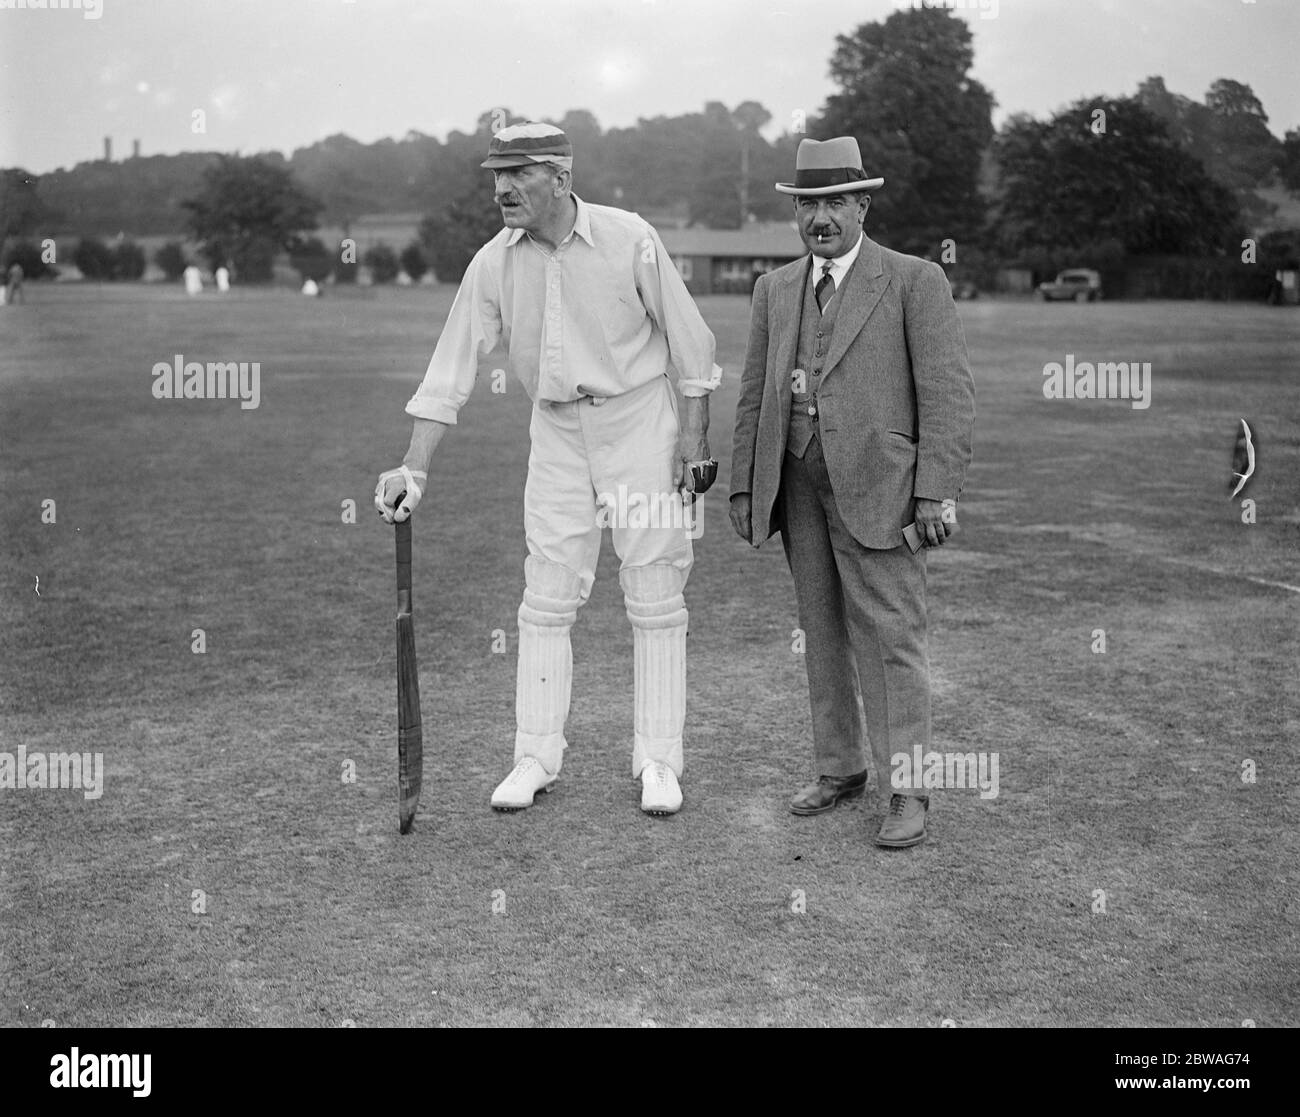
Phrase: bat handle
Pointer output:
(403, 536)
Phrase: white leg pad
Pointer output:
(657, 610)
(545, 676)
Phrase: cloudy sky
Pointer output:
(281, 74)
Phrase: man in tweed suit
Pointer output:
(854, 423)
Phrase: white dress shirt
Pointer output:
(604, 313)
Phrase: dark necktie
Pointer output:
(825, 287)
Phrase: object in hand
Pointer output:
(703, 474)
(410, 733)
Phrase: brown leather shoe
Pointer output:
(904, 825)
(821, 796)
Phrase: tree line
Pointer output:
(1105, 178)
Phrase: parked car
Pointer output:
(1083, 285)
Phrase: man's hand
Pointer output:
(692, 439)
(404, 482)
(741, 506)
(425, 436)
(930, 521)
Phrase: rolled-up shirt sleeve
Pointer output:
(473, 328)
(691, 343)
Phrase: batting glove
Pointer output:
(701, 475)
(392, 485)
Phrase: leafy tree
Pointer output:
(344, 271)
(921, 120)
(249, 209)
(654, 162)
(128, 260)
(732, 173)
(715, 199)
(1065, 187)
(453, 236)
(1228, 134)
(30, 257)
(171, 259)
(349, 177)
(382, 262)
(1182, 117)
(1242, 153)
(21, 210)
(94, 259)
(1289, 164)
(311, 260)
(414, 262)
(140, 195)
(1241, 145)
(1279, 249)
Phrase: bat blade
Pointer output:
(410, 733)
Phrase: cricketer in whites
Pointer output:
(854, 423)
(595, 319)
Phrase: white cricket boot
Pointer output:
(660, 791)
(518, 789)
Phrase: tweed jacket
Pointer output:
(896, 401)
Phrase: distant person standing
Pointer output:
(14, 284)
(1274, 296)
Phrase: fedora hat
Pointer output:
(829, 167)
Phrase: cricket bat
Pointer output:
(410, 734)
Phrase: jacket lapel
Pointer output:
(863, 286)
(787, 308)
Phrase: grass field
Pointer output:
(228, 875)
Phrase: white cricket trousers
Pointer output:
(596, 463)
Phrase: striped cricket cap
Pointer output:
(522, 144)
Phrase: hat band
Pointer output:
(832, 176)
(531, 145)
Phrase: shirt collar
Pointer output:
(581, 226)
(841, 264)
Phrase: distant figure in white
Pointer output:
(310, 288)
(223, 280)
(193, 281)
(13, 288)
